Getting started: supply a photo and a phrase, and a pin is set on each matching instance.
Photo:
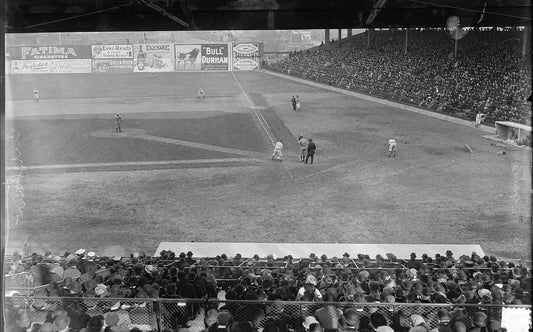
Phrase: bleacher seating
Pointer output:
(89, 285)
(489, 74)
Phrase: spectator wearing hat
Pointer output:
(418, 323)
(46, 327)
(479, 321)
(309, 292)
(56, 270)
(72, 271)
(308, 321)
(459, 327)
(444, 321)
(329, 316)
(351, 321)
(379, 323)
(223, 322)
(62, 323)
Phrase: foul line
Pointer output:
(261, 119)
(329, 169)
(139, 163)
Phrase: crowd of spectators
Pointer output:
(82, 281)
(489, 73)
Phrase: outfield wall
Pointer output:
(133, 58)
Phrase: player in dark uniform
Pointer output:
(118, 120)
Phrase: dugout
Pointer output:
(516, 132)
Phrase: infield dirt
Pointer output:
(434, 191)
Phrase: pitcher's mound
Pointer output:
(123, 133)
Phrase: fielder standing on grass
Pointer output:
(297, 103)
(201, 93)
(35, 95)
(278, 151)
(392, 148)
(302, 142)
(118, 120)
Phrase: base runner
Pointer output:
(278, 151)
(392, 148)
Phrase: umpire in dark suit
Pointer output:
(311, 147)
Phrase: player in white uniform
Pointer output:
(479, 118)
(392, 148)
(201, 93)
(302, 142)
(297, 103)
(278, 151)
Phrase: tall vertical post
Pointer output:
(326, 35)
(59, 37)
(524, 43)
(456, 42)
(349, 33)
(405, 48)
(340, 34)
(368, 37)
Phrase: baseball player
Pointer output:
(297, 103)
(302, 142)
(392, 148)
(201, 94)
(118, 120)
(479, 118)
(278, 148)
(35, 95)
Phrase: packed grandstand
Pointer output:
(79, 291)
(174, 291)
(489, 75)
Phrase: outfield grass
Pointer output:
(69, 141)
(434, 191)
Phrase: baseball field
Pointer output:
(189, 169)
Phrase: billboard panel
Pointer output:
(153, 57)
(70, 66)
(112, 51)
(30, 66)
(113, 65)
(187, 57)
(215, 57)
(50, 52)
(246, 56)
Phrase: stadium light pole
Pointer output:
(456, 42)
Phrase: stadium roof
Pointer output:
(174, 15)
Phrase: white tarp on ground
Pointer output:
(301, 250)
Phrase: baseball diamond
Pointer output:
(153, 179)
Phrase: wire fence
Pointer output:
(175, 314)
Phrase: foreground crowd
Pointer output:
(489, 75)
(336, 293)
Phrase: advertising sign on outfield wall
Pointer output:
(246, 56)
(112, 51)
(30, 66)
(50, 52)
(113, 65)
(67, 66)
(70, 66)
(153, 57)
(215, 57)
(188, 57)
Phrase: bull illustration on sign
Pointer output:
(185, 58)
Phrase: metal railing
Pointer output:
(173, 314)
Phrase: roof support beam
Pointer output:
(376, 8)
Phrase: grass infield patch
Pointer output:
(69, 141)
